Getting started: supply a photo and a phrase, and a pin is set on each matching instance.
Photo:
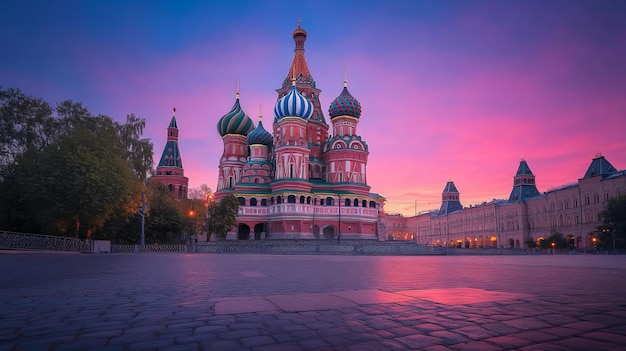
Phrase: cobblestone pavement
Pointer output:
(281, 302)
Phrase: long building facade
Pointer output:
(572, 210)
(304, 179)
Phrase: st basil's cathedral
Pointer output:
(299, 181)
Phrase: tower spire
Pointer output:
(345, 76)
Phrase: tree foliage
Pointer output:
(613, 225)
(222, 216)
(65, 171)
(164, 221)
(26, 123)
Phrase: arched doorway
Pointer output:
(243, 232)
(511, 243)
(493, 241)
(259, 230)
(329, 232)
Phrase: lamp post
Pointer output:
(208, 203)
(594, 240)
(339, 228)
(191, 213)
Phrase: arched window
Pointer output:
(356, 202)
(279, 199)
(322, 202)
(170, 187)
(291, 199)
(272, 200)
(253, 201)
(330, 201)
(347, 202)
(263, 202)
(242, 201)
(308, 200)
(372, 204)
(364, 203)
(301, 199)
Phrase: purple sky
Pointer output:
(457, 90)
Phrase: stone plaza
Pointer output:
(311, 302)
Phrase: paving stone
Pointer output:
(418, 341)
(449, 337)
(221, 345)
(151, 306)
(584, 344)
(254, 341)
(614, 338)
(477, 345)
(527, 323)
(509, 342)
(475, 332)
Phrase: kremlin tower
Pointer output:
(170, 170)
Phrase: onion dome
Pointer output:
(260, 136)
(293, 104)
(235, 121)
(345, 105)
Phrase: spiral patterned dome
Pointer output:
(235, 121)
(345, 105)
(293, 104)
(260, 136)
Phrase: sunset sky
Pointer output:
(458, 90)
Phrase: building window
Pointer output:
(263, 202)
(291, 199)
(253, 201)
(242, 201)
(301, 199)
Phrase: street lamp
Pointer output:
(208, 203)
(594, 240)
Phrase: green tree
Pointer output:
(613, 225)
(79, 180)
(554, 241)
(222, 216)
(164, 221)
(26, 123)
(138, 150)
(531, 243)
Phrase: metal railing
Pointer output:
(25, 241)
(150, 248)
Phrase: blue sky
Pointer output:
(455, 90)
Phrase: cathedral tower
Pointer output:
(291, 147)
(345, 153)
(317, 129)
(234, 128)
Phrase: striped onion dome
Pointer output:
(345, 105)
(293, 105)
(260, 136)
(235, 121)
